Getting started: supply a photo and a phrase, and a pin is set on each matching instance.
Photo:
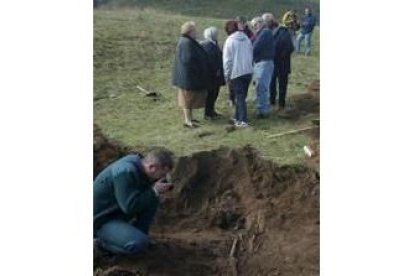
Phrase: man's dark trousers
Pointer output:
(211, 99)
(282, 81)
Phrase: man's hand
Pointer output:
(161, 186)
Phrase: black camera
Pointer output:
(167, 179)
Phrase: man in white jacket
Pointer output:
(238, 68)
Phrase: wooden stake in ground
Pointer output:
(233, 247)
(232, 259)
(146, 92)
(290, 132)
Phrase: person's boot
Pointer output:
(208, 116)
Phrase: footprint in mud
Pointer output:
(204, 134)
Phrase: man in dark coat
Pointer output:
(263, 54)
(215, 58)
(126, 198)
(283, 51)
(190, 73)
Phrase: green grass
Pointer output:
(218, 8)
(136, 46)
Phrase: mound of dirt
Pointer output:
(105, 150)
(314, 88)
(232, 213)
(303, 104)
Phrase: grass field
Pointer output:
(136, 46)
(217, 8)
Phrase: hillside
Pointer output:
(215, 8)
(135, 46)
(233, 211)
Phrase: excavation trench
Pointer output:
(231, 213)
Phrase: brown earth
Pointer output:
(105, 150)
(230, 200)
(303, 104)
(314, 88)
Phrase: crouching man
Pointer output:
(125, 200)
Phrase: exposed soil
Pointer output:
(231, 202)
(105, 150)
(304, 104)
(314, 88)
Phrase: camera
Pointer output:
(167, 179)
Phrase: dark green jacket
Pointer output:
(122, 191)
(190, 68)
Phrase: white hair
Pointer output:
(268, 18)
(211, 33)
(256, 21)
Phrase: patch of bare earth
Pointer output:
(231, 213)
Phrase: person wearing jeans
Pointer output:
(126, 198)
(238, 68)
(121, 237)
(307, 24)
(300, 38)
(239, 87)
(263, 71)
(263, 54)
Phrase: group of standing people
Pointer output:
(126, 194)
(198, 72)
(261, 53)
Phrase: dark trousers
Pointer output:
(232, 97)
(282, 81)
(212, 95)
(239, 87)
